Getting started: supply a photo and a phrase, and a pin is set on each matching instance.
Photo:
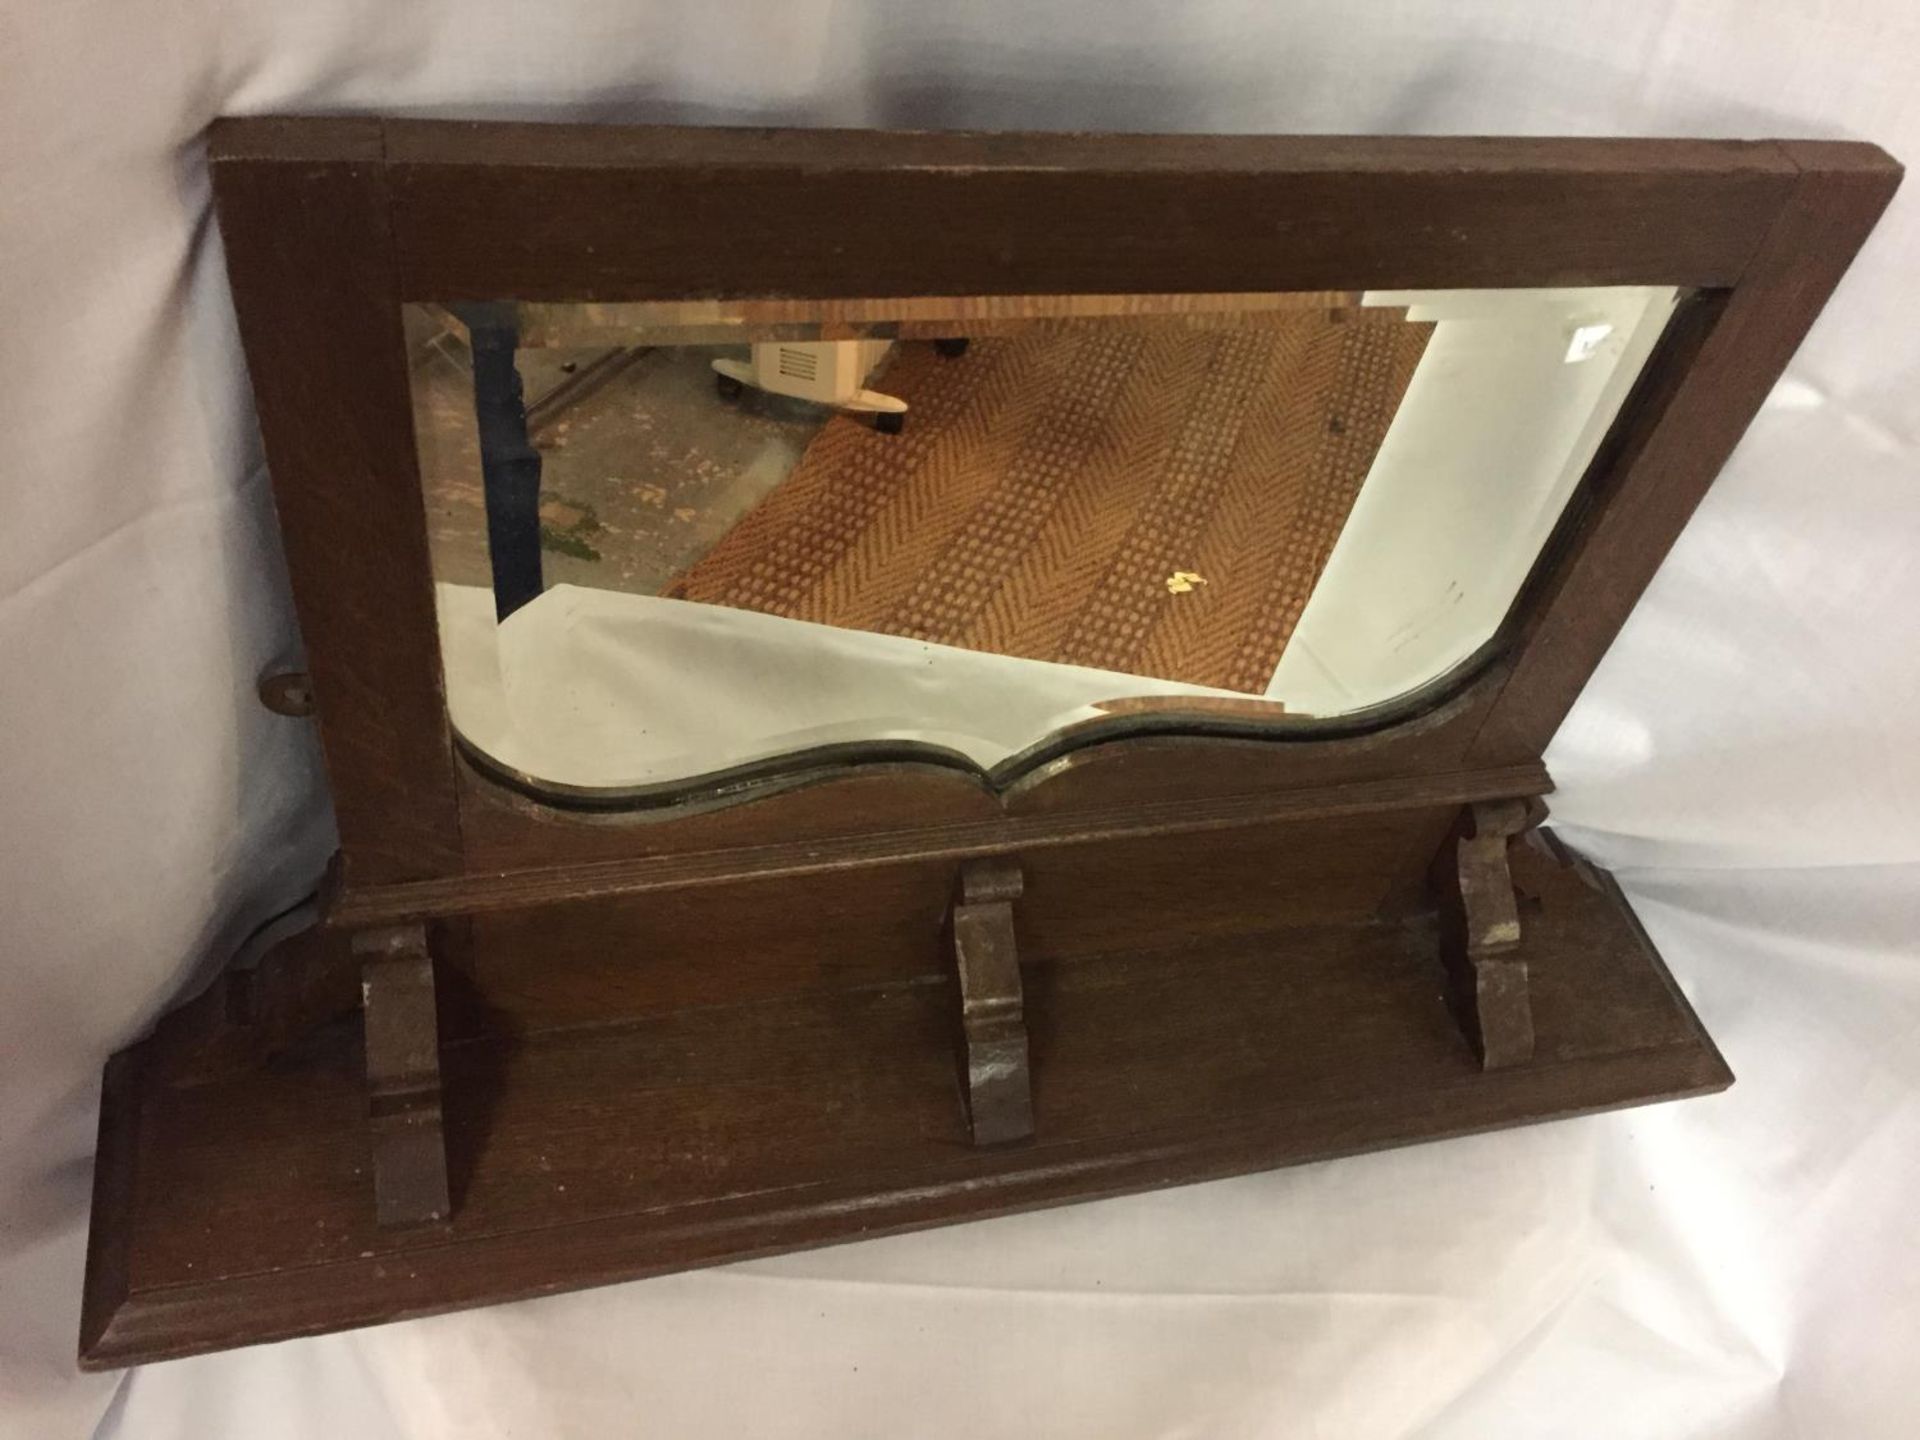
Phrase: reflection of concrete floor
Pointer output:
(639, 479)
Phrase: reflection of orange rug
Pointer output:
(1048, 486)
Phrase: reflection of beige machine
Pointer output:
(828, 372)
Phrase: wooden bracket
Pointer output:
(403, 1076)
(252, 1014)
(1480, 930)
(992, 1007)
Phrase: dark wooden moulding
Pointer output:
(529, 1050)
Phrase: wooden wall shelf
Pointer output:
(599, 1153)
(529, 1048)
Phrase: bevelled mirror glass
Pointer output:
(680, 542)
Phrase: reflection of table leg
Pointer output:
(509, 464)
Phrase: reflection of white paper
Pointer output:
(1585, 342)
(597, 688)
(1510, 401)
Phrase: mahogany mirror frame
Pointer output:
(331, 225)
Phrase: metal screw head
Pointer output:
(288, 693)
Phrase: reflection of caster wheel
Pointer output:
(952, 348)
(729, 388)
(889, 422)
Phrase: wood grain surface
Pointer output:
(714, 1132)
(730, 1025)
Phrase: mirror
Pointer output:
(675, 541)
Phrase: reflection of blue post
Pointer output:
(509, 465)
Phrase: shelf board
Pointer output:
(238, 1211)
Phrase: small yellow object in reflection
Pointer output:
(1182, 581)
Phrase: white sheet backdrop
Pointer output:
(1741, 1266)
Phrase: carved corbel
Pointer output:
(992, 1006)
(403, 1076)
(1480, 930)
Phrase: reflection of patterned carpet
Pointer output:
(1048, 485)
